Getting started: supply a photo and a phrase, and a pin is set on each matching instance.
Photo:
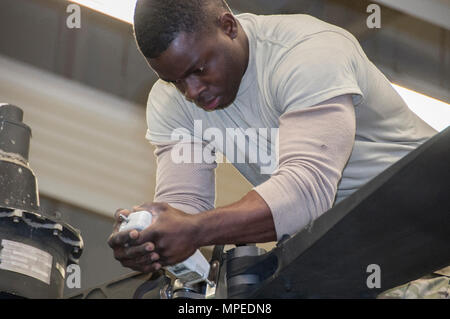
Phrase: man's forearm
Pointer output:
(246, 221)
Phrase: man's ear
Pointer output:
(228, 24)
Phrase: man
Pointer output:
(340, 123)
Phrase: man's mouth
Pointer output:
(212, 104)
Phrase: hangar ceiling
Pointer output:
(412, 47)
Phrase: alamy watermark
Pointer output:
(73, 21)
(374, 19)
(374, 279)
(233, 145)
(73, 279)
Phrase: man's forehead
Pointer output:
(184, 41)
(183, 53)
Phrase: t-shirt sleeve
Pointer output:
(166, 113)
(314, 147)
(316, 70)
(187, 185)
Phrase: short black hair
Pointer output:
(158, 22)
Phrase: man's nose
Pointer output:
(193, 89)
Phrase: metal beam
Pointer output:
(433, 11)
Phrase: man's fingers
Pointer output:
(142, 268)
(147, 259)
(122, 238)
(147, 235)
(134, 252)
(155, 267)
(146, 264)
(151, 268)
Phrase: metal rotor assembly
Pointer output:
(35, 250)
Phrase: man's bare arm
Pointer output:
(246, 221)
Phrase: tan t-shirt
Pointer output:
(297, 64)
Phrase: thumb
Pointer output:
(148, 234)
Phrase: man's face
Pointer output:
(206, 68)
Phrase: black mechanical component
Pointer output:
(187, 291)
(399, 221)
(18, 183)
(144, 286)
(215, 275)
(34, 249)
(241, 277)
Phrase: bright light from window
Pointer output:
(436, 113)
(119, 9)
(432, 111)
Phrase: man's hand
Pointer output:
(139, 257)
(175, 235)
(173, 232)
